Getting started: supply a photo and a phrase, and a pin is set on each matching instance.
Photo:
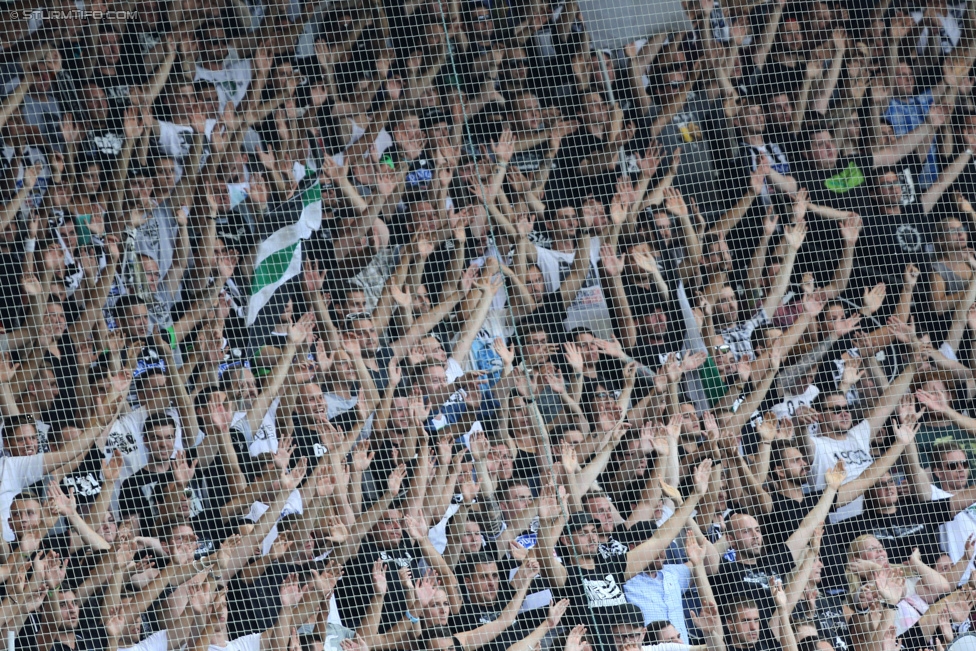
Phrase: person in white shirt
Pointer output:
(17, 473)
(841, 440)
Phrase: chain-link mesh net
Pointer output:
(501, 325)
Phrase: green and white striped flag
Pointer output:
(279, 257)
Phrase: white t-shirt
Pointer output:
(787, 408)
(177, 140)
(250, 642)
(231, 81)
(16, 474)
(954, 533)
(155, 642)
(554, 266)
(266, 438)
(855, 451)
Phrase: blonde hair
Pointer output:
(854, 580)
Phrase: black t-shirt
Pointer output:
(843, 187)
(254, 607)
(889, 242)
(355, 590)
(736, 581)
(141, 493)
(787, 514)
(473, 616)
(594, 594)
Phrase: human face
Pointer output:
(872, 550)
(537, 348)
(246, 387)
(433, 350)
(626, 636)
(889, 190)
(68, 610)
(471, 539)
(596, 111)
(795, 467)
(955, 234)
(528, 114)
(753, 120)
(668, 635)
(181, 544)
(500, 463)
(314, 404)
(160, 442)
(567, 221)
(482, 583)
(22, 442)
(585, 541)
(95, 104)
(791, 35)
(91, 179)
(588, 347)
(903, 82)
(401, 417)
(355, 303)
(780, 110)
(884, 493)
(389, 530)
(836, 415)
(535, 283)
(25, 517)
(438, 611)
(108, 45)
(518, 499)
(408, 133)
(151, 270)
(744, 629)
(44, 388)
(343, 369)
(54, 322)
(436, 385)
(219, 412)
(746, 535)
(136, 322)
(165, 178)
(602, 511)
(369, 341)
(952, 471)
(727, 307)
(718, 258)
(823, 151)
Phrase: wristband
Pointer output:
(30, 244)
(969, 150)
(413, 618)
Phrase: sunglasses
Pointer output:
(836, 409)
(723, 349)
(956, 465)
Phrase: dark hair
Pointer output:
(125, 303)
(203, 398)
(158, 419)
(655, 627)
(466, 567)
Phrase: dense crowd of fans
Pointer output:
(590, 350)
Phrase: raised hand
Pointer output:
(380, 584)
(835, 476)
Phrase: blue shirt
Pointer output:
(907, 115)
(659, 597)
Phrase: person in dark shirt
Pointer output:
(389, 544)
(486, 599)
(593, 581)
(751, 567)
(142, 492)
(791, 504)
(901, 523)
